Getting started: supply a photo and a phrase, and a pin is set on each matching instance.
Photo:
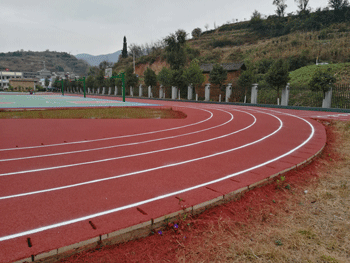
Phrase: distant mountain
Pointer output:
(33, 61)
(96, 60)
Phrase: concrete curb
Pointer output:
(146, 228)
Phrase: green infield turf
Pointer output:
(19, 101)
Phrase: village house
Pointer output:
(22, 84)
(233, 69)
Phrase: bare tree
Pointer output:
(302, 4)
(338, 4)
(135, 50)
(281, 7)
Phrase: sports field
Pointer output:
(16, 101)
(69, 183)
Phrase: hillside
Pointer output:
(299, 48)
(30, 61)
(96, 60)
(301, 76)
(297, 42)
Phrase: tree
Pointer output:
(89, 81)
(135, 50)
(175, 51)
(150, 77)
(246, 80)
(218, 75)
(131, 80)
(338, 4)
(322, 81)
(302, 5)
(178, 80)
(196, 33)
(256, 21)
(125, 49)
(264, 65)
(56, 84)
(93, 71)
(281, 7)
(193, 74)
(164, 77)
(278, 75)
(105, 64)
(99, 79)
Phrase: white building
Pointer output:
(5, 76)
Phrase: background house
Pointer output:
(22, 84)
(233, 69)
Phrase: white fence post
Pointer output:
(207, 92)
(254, 96)
(327, 101)
(190, 92)
(228, 92)
(285, 96)
(173, 93)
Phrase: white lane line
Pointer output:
(36, 230)
(142, 171)
(127, 156)
(152, 169)
(115, 146)
(111, 138)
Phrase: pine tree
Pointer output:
(125, 49)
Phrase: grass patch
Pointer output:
(302, 76)
(95, 113)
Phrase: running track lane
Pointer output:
(106, 171)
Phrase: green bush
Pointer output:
(40, 88)
(192, 53)
(222, 43)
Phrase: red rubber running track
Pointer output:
(66, 181)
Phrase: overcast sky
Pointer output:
(98, 27)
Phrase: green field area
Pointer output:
(94, 113)
(302, 76)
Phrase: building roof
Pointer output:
(206, 68)
(21, 80)
(11, 73)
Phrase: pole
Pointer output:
(122, 77)
(84, 87)
(62, 87)
(123, 84)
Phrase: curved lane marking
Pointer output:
(146, 170)
(110, 138)
(115, 146)
(127, 156)
(40, 229)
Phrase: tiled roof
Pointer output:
(206, 68)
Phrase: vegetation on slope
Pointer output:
(301, 76)
(31, 61)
